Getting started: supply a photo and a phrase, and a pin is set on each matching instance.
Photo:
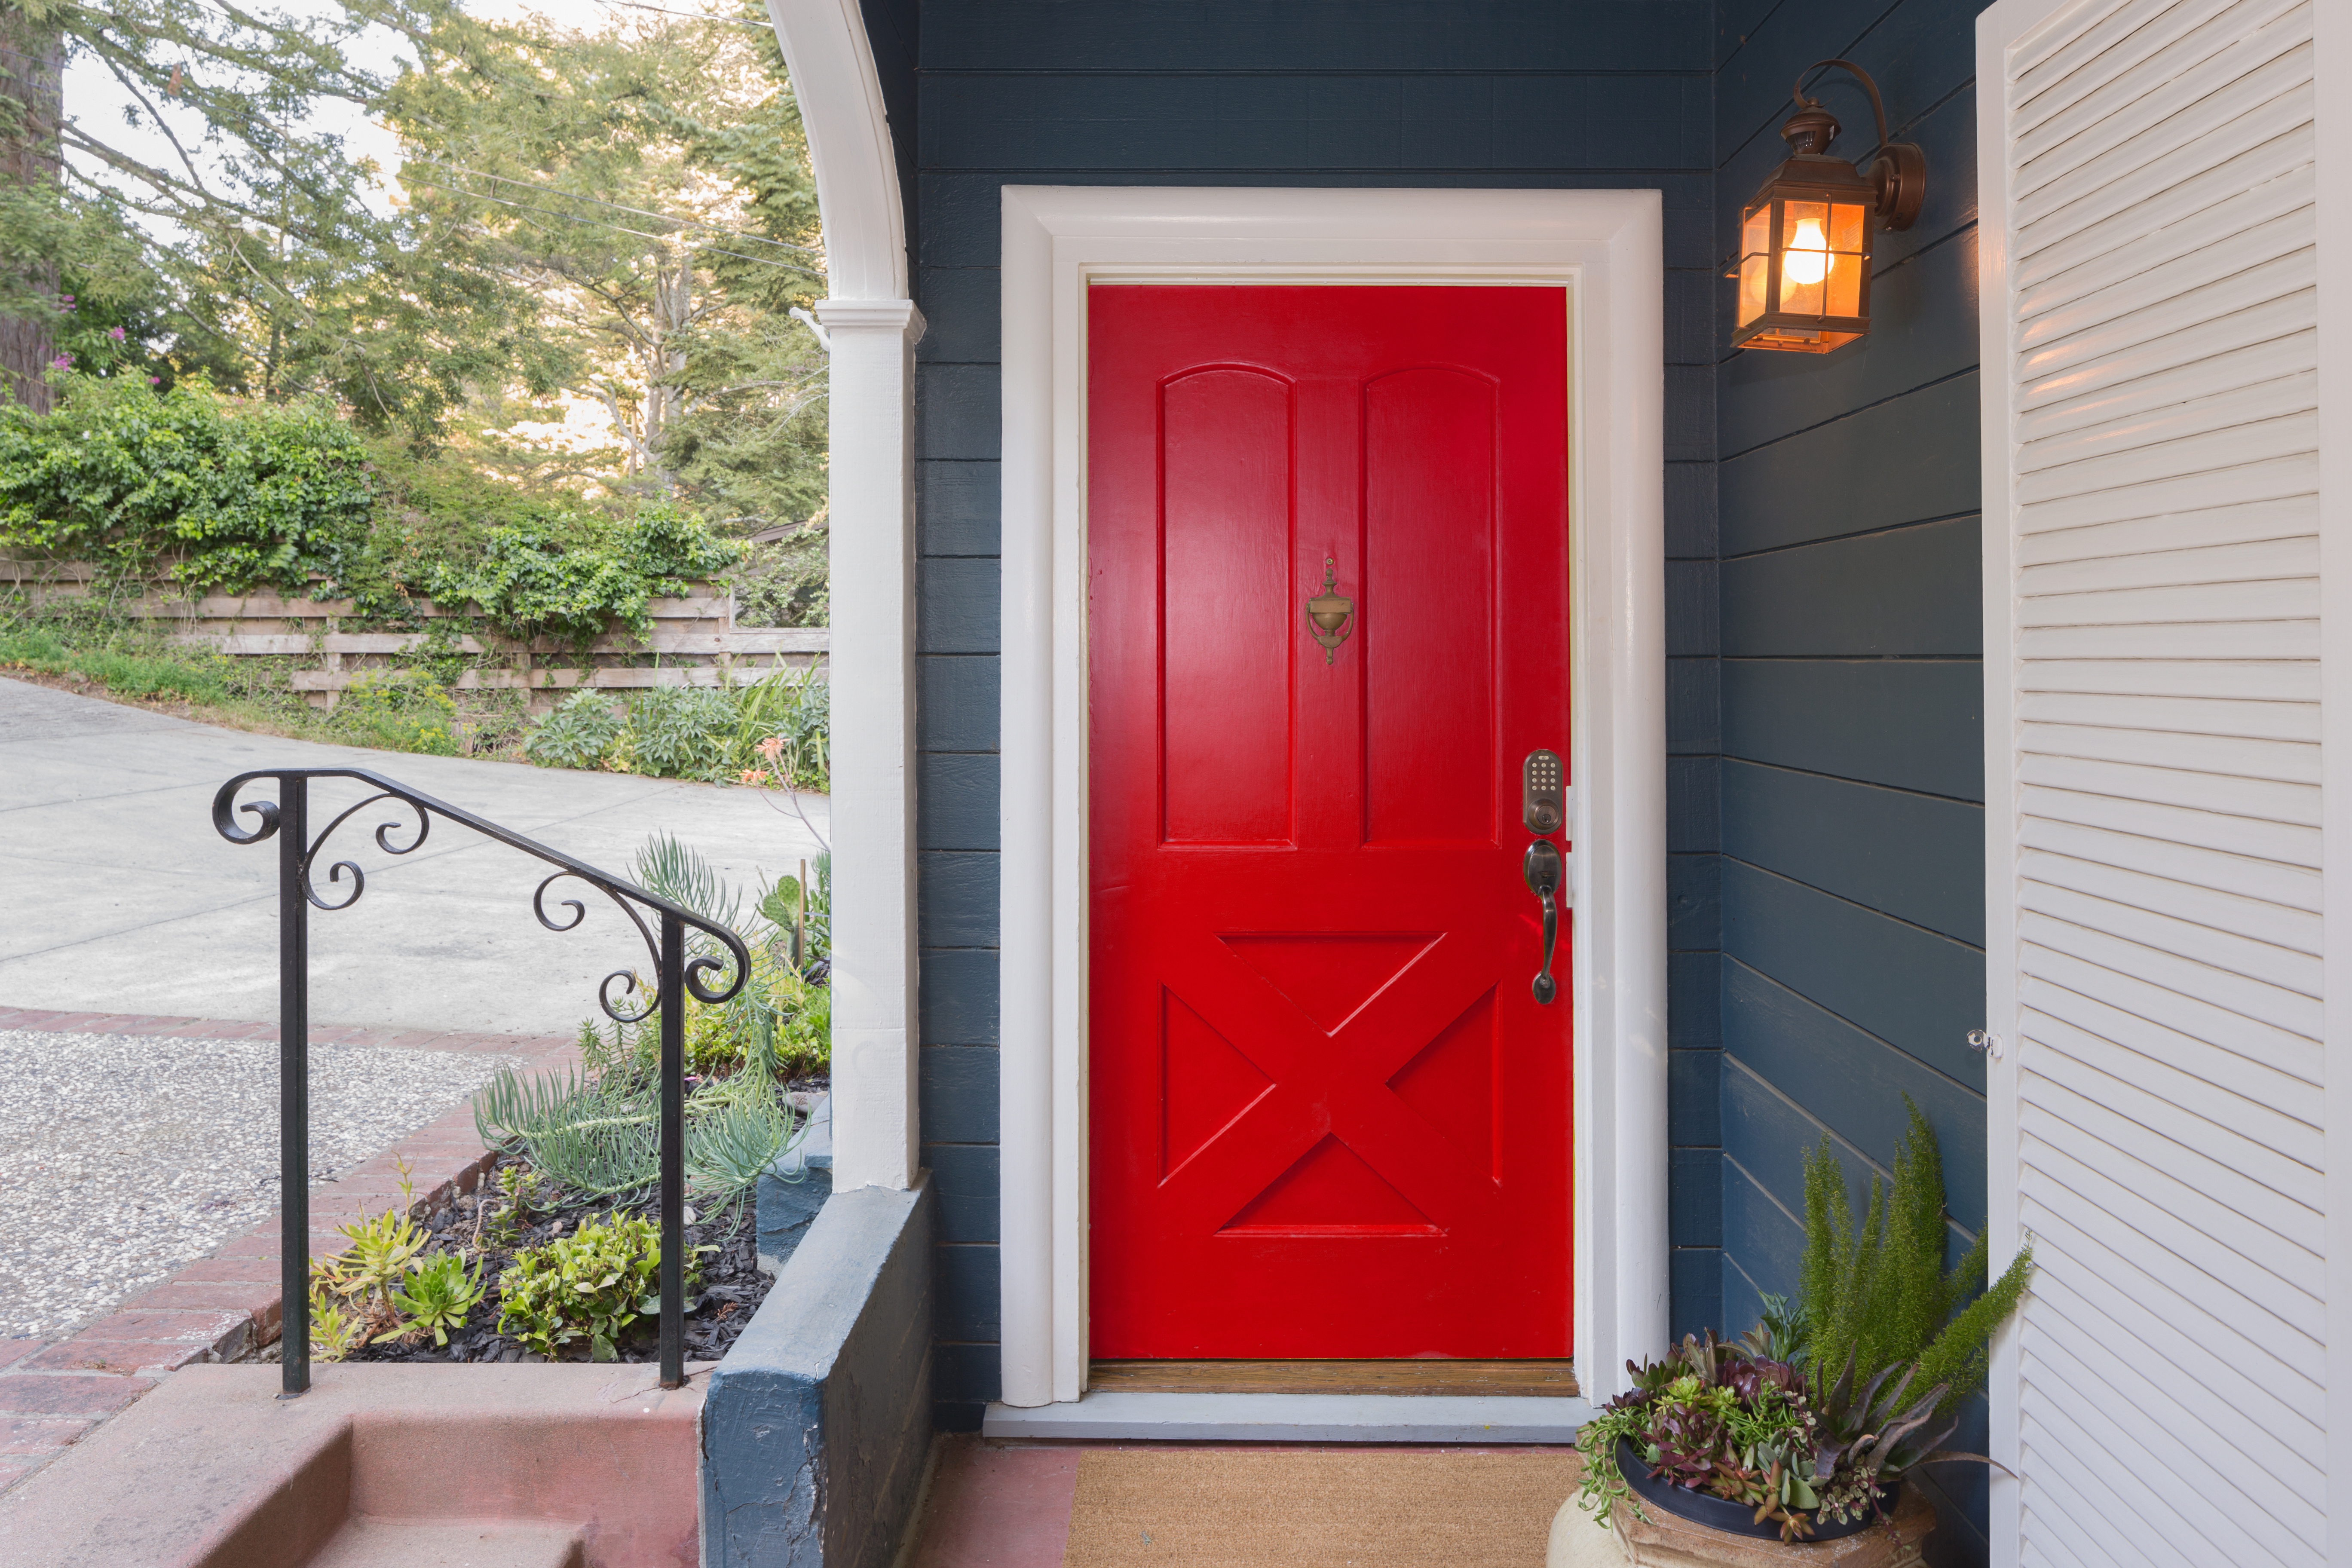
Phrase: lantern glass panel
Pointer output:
(1754, 262)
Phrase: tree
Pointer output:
(648, 185)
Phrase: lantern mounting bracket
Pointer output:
(1899, 172)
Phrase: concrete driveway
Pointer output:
(117, 895)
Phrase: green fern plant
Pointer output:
(1879, 1297)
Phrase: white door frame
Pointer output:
(1605, 247)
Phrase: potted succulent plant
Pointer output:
(1803, 1429)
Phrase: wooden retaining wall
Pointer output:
(695, 639)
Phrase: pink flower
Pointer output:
(754, 776)
(63, 361)
(771, 747)
(115, 333)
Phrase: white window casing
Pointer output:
(2164, 601)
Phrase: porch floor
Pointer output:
(995, 1504)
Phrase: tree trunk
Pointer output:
(673, 313)
(32, 81)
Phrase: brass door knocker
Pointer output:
(1327, 614)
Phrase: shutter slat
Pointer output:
(2286, 158)
(2292, 1057)
(2219, 407)
(2264, 721)
(2123, 544)
(2172, 224)
(2130, 354)
(2297, 681)
(2288, 886)
(2279, 1007)
(2282, 761)
(2281, 478)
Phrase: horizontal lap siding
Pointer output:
(1851, 685)
(2166, 758)
(1595, 94)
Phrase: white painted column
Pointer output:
(872, 668)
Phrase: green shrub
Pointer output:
(678, 731)
(1881, 1296)
(578, 735)
(775, 731)
(592, 1284)
(399, 711)
(240, 493)
(531, 582)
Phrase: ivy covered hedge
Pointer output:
(226, 496)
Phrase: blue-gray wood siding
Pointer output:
(1235, 93)
(1852, 779)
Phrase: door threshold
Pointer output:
(1189, 1417)
(1523, 1378)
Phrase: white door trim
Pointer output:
(1605, 249)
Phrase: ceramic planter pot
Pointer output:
(1660, 1539)
(1723, 1514)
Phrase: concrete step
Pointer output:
(364, 1543)
(409, 1466)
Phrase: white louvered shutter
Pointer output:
(2158, 826)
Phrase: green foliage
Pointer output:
(380, 1251)
(438, 1295)
(399, 711)
(785, 581)
(1713, 1418)
(579, 733)
(532, 583)
(774, 732)
(232, 496)
(335, 1330)
(195, 678)
(1879, 1296)
(591, 1285)
(676, 733)
(669, 868)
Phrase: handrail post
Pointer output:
(293, 1086)
(673, 1152)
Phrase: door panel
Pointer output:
(1430, 467)
(1327, 1116)
(1224, 461)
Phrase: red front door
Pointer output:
(1328, 1117)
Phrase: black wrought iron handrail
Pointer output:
(287, 818)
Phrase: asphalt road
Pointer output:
(117, 895)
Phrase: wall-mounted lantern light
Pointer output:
(1804, 242)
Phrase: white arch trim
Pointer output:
(840, 95)
(873, 326)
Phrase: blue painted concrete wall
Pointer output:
(1852, 768)
(817, 1426)
(1592, 93)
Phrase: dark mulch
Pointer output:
(731, 1288)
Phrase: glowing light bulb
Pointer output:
(1807, 256)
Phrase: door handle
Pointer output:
(1542, 869)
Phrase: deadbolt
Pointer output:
(1543, 792)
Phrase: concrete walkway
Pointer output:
(116, 894)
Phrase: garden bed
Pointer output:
(729, 1289)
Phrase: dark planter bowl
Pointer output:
(1722, 1513)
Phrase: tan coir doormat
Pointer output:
(1365, 1508)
